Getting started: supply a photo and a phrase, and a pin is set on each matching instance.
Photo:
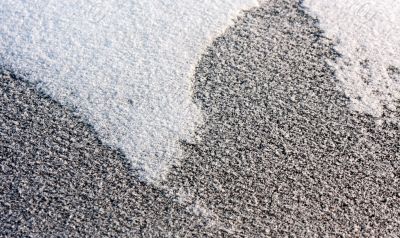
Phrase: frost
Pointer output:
(125, 65)
(367, 34)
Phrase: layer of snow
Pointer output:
(125, 65)
(367, 33)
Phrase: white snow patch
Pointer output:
(368, 37)
(125, 65)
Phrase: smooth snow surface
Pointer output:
(368, 37)
(125, 65)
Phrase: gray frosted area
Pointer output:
(280, 152)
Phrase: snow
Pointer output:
(367, 34)
(124, 65)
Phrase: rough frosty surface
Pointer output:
(280, 154)
(125, 66)
(368, 37)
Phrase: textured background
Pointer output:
(280, 152)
